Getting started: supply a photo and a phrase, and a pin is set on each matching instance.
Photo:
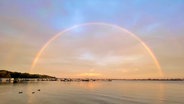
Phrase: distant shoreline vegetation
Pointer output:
(19, 75)
(9, 74)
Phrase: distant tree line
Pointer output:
(9, 74)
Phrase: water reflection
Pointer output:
(89, 85)
(115, 92)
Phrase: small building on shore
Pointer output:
(6, 80)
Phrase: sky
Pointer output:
(100, 51)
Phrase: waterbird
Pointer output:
(20, 92)
(38, 89)
(33, 92)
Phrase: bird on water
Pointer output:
(20, 92)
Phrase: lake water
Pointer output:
(115, 92)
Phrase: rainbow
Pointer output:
(150, 52)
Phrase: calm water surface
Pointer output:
(115, 92)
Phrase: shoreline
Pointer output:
(21, 80)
